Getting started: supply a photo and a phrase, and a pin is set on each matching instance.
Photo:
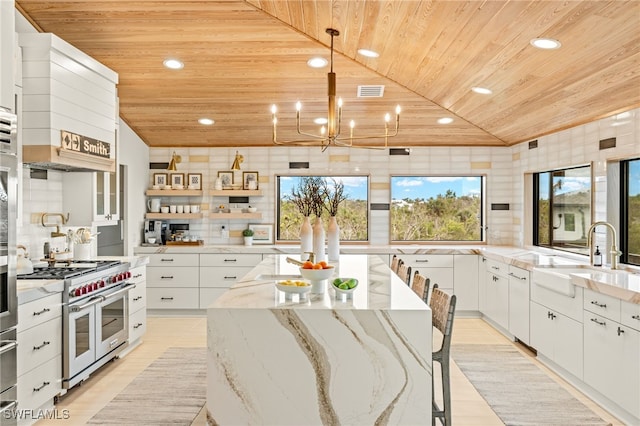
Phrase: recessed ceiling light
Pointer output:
(482, 90)
(320, 120)
(173, 64)
(317, 62)
(206, 121)
(368, 53)
(445, 120)
(545, 43)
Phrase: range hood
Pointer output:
(70, 107)
(53, 158)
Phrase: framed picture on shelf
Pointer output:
(226, 178)
(249, 180)
(262, 233)
(194, 181)
(160, 179)
(177, 179)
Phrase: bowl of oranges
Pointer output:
(316, 271)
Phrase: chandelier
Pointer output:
(331, 134)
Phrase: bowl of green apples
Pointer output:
(344, 285)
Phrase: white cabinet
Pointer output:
(465, 282)
(519, 303)
(138, 306)
(7, 31)
(39, 353)
(219, 271)
(437, 267)
(173, 281)
(557, 337)
(496, 297)
(91, 198)
(611, 352)
(556, 327)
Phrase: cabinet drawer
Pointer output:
(39, 344)
(209, 295)
(497, 268)
(569, 306)
(172, 298)
(174, 260)
(40, 385)
(230, 259)
(166, 276)
(39, 311)
(221, 277)
(138, 275)
(441, 276)
(519, 274)
(428, 260)
(602, 304)
(138, 297)
(630, 315)
(137, 324)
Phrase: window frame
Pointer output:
(624, 208)
(279, 197)
(482, 213)
(536, 208)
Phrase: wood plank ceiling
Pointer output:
(242, 56)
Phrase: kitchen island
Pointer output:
(320, 359)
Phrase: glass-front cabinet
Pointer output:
(91, 198)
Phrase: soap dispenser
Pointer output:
(597, 257)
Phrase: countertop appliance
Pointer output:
(95, 313)
(155, 229)
(8, 295)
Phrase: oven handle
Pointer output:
(124, 289)
(10, 344)
(94, 301)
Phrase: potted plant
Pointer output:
(248, 236)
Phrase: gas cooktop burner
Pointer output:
(63, 271)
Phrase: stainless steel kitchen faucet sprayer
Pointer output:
(614, 248)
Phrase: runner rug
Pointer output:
(517, 390)
(170, 391)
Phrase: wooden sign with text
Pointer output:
(84, 144)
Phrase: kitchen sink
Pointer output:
(557, 279)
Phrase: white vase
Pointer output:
(333, 239)
(248, 241)
(306, 238)
(318, 241)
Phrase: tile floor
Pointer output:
(84, 401)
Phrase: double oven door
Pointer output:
(97, 329)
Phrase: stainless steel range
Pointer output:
(95, 313)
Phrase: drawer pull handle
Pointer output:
(620, 331)
(135, 299)
(45, 310)
(495, 267)
(231, 260)
(44, 343)
(422, 260)
(168, 277)
(230, 278)
(635, 317)
(138, 325)
(599, 305)
(166, 260)
(44, 384)
(598, 322)
(137, 276)
(511, 274)
(166, 298)
(551, 315)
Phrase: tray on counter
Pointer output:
(185, 243)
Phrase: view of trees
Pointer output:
(634, 229)
(446, 217)
(352, 220)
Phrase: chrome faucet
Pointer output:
(614, 249)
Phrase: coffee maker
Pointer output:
(155, 229)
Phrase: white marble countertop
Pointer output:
(378, 287)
